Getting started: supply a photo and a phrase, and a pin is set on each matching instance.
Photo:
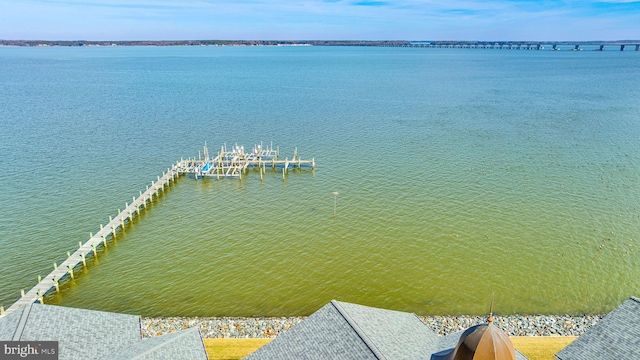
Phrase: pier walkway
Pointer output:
(227, 163)
(99, 240)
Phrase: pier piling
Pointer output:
(232, 163)
(235, 162)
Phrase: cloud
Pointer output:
(370, 3)
(320, 19)
(460, 11)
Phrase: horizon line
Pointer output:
(325, 40)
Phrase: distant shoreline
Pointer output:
(381, 43)
(36, 43)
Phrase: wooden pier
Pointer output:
(100, 240)
(236, 162)
(227, 163)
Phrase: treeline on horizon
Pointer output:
(200, 42)
(289, 42)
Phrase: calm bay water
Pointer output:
(460, 173)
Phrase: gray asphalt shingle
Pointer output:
(182, 345)
(81, 334)
(323, 335)
(616, 336)
(395, 334)
(342, 330)
(8, 325)
(89, 334)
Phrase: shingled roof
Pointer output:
(89, 334)
(80, 333)
(185, 344)
(616, 336)
(342, 330)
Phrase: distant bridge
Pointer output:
(509, 45)
(520, 45)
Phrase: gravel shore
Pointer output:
(226, 327)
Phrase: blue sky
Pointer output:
(320, 19)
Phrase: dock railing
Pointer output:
(227, 163)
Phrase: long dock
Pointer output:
(227, 163)
(96, 242)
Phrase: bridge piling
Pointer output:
(522, 45)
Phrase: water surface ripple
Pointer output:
(460, 174)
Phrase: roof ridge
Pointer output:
(26, 311)
(423, 323)
(177, 335)
(437, 337)
(374, 349)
